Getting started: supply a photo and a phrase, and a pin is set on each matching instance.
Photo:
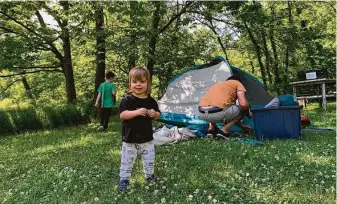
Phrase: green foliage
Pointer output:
(25, 119)
(36, 118)
(27, 42)
(5, 123)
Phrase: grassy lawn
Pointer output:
(79, 165)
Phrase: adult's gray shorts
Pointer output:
(227, 114)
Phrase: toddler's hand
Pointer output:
(151, 113)
(97, 105)
(142, 112)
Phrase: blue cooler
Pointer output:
(282, 122)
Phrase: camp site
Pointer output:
(167, 102)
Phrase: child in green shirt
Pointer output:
(106, 100)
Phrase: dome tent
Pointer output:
(179, 104)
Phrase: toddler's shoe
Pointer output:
(123, 185)
(152, 179)
(100, 128)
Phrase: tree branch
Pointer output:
(183, 10)
(9, 85)
(212, 18)
(39, 67)
(53, 48)
(40, 18)
(9, 30)
(22, 73)
(21, 24)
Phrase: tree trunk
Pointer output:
(258, 53)
(277, 79)
(267, 55)
(133, 35)
(286, 61)
(252, 66)
(153, 38)
(100, 47)
(27, 87)
(67, 62)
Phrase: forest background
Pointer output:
(54, 54)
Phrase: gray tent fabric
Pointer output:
(273, 103)
(256, 93)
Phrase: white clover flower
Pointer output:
(96, 199)
(196, 191)
(214, 201)
(155, 192)
(163, 200)
(163, 187)
(147, 187)
(175, 185)
(209, 197)
(190, 198)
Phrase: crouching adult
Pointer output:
(218, 105)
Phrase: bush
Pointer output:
(5, 123)
(52, 117)
(25, 119)
(43, 117)
(70, 114)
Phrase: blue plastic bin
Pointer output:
(283, 122)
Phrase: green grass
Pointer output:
(79, 165)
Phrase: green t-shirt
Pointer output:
(106, 89)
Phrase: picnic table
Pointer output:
(315, 82)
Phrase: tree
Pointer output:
(24, 20)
